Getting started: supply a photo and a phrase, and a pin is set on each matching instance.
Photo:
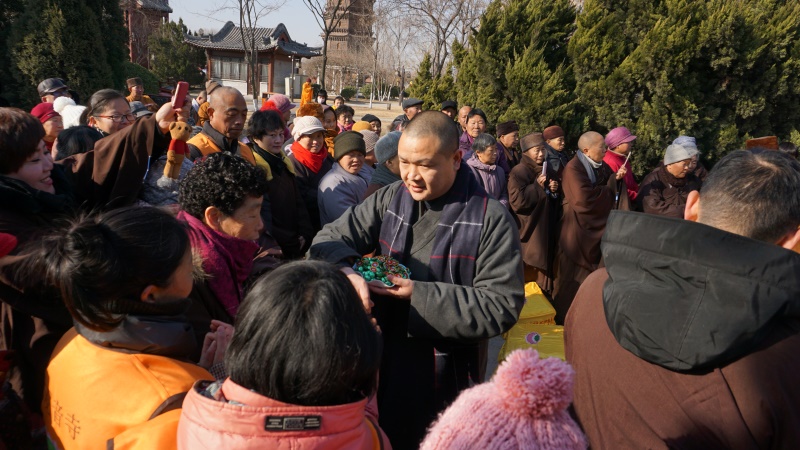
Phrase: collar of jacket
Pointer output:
(687, 296)
(227, 145)
(529, 162)
(19, 196)
(163, 335)
(269, 161)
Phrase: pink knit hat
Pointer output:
(524, 406)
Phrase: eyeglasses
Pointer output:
(117, 118)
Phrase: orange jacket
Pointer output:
(206, 146)
(100, 398)
(216, 423)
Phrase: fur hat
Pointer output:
(370, 139)
(135, 81)
(552, 132)
(676, 153)
(306, 125)
(531, 140)
(523, 406)
(311, 109)
(618, 136)
(507, 127)
(362, 125)
(386, 148)
(346, 142)
(71, 115)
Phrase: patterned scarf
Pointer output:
(458, 233)
(311, 160)
(226, 260)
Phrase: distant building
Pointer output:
(142, 18)
(278, 55)
(354, 31)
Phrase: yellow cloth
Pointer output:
(206, 146)
(94, 394)
(202, 114)
(146, 101)
(536, 327)
(308, 93)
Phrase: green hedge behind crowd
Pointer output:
(719, 70)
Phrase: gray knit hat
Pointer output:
(370, 139)
(386, 148)
(676, 153)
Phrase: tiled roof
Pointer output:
(157, 5)
(230, 38)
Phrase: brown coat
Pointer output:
(586, 209)
(623, 401)
(532, 207)
(663, 194)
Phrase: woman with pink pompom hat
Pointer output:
(523, 406)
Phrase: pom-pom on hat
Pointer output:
(386, 148)
(44, 112)
(62, 102)
(346, 142)
(306, 125)
(524, 406)
(552, 132)
(362, 125)
(618, 136)
(71, 115)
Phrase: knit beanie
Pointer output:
(552, 132)
(346, 142)
(361, 125)
(306, 125)
(370, 139)
(386, 148)
(71, 115)
(507, 127)
(281, 102)
(311, 109)
(523, 407)
(687, 142)
(676, 153)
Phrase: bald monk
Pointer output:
(590, 193)
(227, 112)
(466, 285)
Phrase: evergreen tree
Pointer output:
(12, 88)
(173, 57)
(432, 91)
(716, 70)
(516, 66)
(62, 39)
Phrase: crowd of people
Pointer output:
(184, 276)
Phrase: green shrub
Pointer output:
(348, 93)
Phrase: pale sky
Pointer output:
(206, 14)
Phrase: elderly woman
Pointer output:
(311, 162)
(664, 190)
(476, 125)
(346, 183)
(483, 163)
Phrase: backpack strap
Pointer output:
(172, 403)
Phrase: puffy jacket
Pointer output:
(119, 389)
(226, 415)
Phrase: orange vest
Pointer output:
(94, 395)
(206, 146)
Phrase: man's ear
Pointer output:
(210, 112)
(148, 294)
(457, 158)
(212, 217)
(791, 241)
(692, 211)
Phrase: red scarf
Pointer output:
(226, 259)
(311, 160)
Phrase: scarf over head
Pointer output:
(458, 233)
(226, 260)
(311, 160)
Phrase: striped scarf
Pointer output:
(458, 232)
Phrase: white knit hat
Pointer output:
(306, 125)
(62, 102)
(71, 115)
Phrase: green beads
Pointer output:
(380, 268)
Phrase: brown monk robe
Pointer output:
(533, 206)
(591, 191)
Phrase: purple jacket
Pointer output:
(465, 145)
(492, 178)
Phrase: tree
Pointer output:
(716, 70)
(516, 65)
(250, 11)
(172, 57)
(328, 14)
(64, 39)
(431, 90)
